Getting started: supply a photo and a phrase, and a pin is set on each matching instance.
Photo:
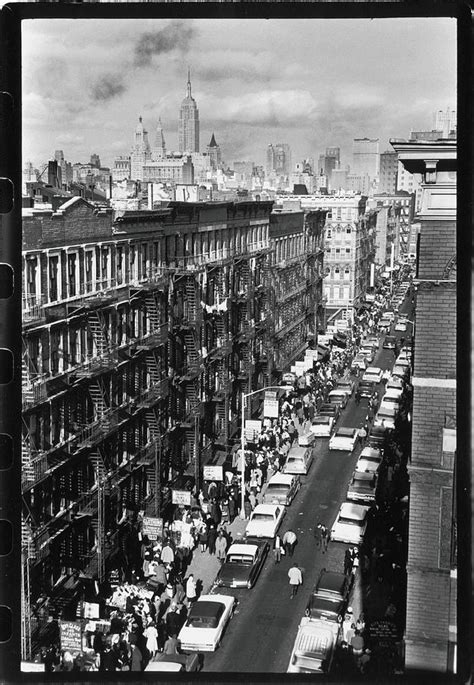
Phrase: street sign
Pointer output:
(91, 610)
(152, 527)
(270, 405)
(213, 473)
(181, 497)
(71, 636)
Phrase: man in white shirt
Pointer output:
(295, 578)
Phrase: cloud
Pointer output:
(108, 87)
(265, 108)
(176, 36)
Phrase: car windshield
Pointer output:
(277, 487)
(320, 420)
(244, 559)
(350, 522)
(262, 517)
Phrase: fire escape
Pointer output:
(188, 323)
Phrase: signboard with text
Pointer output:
(270, 405)
(311, 354)
(71, 636)
(91, 610)
(212, 473)
(152, 527)
(252, 429)
(181, 497)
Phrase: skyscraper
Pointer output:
(159, 145)
(188, 128)
(445, 121)
(388, 172)
(214, 152)
(365, 153)
(279, 159)
(140, 152)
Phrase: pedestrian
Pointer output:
(171, 645)
(362, 434)
(317, 535)
(221, 546)
(151, 635)
(324, 538)
(277, 549)
(295, 579)
(289, 542)
(191, 594)
(211, 539)
(347, 562)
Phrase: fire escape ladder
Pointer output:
(98, 398)
(191, 347)
(190, 290)
(152, 312)
(99, 333)
(153, 424)
(152, 368)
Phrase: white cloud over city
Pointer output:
(309, 82)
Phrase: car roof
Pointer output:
(366, 383)
(322, 418)
(373, 369)
(297, 451)
(241, 548)
(362, 475)
(205, 608)
(370, 452)
(350, 510)
(281, 479)
(330, 580)
(345, 431)
(266, 508)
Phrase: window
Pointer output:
(348, 229)
(88, 267)
(348, 251)
(53, 279)
(71, 271)
(337, 273)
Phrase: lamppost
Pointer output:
(242, 439)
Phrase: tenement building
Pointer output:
(141, 330)
(349, 243)
(432, 544)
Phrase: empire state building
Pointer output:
(188, 130)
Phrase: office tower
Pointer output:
(188, 128)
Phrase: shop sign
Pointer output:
(71, 636)
(252, 429)
(91, 610)
(152, 527)
(181, 497)
(213, 473)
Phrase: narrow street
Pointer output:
(260, 636)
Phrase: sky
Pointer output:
(312, 83)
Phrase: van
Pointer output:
(281, 489)
(338, 396)
(298, 460)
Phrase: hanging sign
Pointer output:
(181, 497)
(270, 405)
(213, 473)
(71, 636)
(152, 527)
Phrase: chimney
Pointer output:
(150, 196)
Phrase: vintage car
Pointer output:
(330, 410)
(368, 352)
(390, 342)
(322, 426)
(281, 489)
(369, 461)
(377, 435)
(298, 460)
(175, 663)
(346, 385)
(360, 362)
(265, 520)
(314, 647)
(386, 416)
(362, 487)
(365, 390)
(338, 396)
(373, 373)
(329, 598)
(350, 524)
(206, 622)
(242, 565)
(343, 439)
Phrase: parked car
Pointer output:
(343, 439)
(392, 394)
(329, 597)
(281, 489)
(386, 416)
(298, 460)
(374, 374)
(347, 386)
(314, 647)
(360, 362)
(306, 439)
(384, 325)
(369, 461)
(206, 622)
(372, 340)
(350, 524)
(330, 410)
(338, 396)
(242, 564)
(394, 383)
(401, 326)
(377, 437)
(365, 389)
(362, 487)
(265, 520)
(390, 342)
(174, 663)
(322, 426)
(402, 372)
(368, 352)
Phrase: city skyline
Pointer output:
(249, 92)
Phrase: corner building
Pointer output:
(141, 330)
(432, 544)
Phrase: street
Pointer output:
(260, 636)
